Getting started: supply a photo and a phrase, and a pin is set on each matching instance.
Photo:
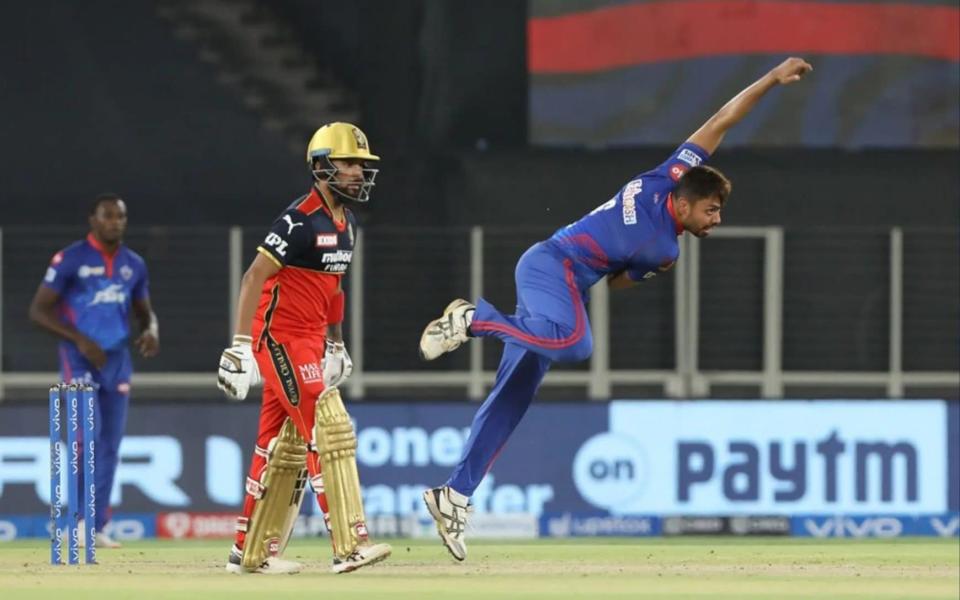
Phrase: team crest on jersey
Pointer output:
(126, 272)
(677, 171)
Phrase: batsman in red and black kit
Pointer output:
(288, 333)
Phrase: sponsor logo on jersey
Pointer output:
(86, 271)
(290, 224)
(310, 372)
(126, 272)
(340, 256)
(690, 157)
(629, 211)
(277, 243)
(630, 192)
(112, 294)
(677, 171)
(51, 275)
(326, 240)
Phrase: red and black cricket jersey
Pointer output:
(313, 252)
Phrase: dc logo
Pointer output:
(609, 470)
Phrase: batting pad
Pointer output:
(277, 496)
(337, 446)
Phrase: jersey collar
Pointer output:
(673, 213)
(318, 198)
(93, 241)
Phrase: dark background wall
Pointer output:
(442, 89)
(105, 96)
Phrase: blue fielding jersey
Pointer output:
(633, 231)
(96, 289)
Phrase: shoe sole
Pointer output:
(434, 511)
(239, 570)
(446, 311)
(357, 565)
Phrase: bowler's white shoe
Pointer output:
(449, 331)
(105, 541)
(449, 509)
(274, 565)
(368, 554)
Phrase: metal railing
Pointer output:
(686, 378)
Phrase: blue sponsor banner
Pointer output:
(624, 458)
(769, 458)
(123, 526)
(878, 526)
(953, 455)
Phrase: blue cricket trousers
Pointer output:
(550, 325)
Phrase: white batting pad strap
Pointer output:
(255, 488)
(260, 451)
(242, 524)
(316, 482)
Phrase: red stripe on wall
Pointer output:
(633, 34)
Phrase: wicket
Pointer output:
(80, 403)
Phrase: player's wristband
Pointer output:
(335, 314)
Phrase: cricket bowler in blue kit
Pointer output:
(85, 300)
(629, 238)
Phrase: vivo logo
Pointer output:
(881, 527)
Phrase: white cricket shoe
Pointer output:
(274, 565)
(449, 509)
(102, 539)
(449, 331)
(105, 541)
(367, 554)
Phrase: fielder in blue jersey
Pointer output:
(629, 238)
(85, 299)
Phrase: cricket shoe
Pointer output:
(274, 565)
(105, 541)
(449, 509)
(365, 555)
(102, 539)
(449, 331)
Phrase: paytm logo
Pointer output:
(610, 469)
(857, 457)
(874, 464)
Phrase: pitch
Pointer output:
(716, 568)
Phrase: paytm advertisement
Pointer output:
(619, 459)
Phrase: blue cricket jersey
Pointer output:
(96, 289)
(635, 230)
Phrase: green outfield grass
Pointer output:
(419, 569)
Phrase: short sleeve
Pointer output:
(141, 289)
(290, 237)
(683, 158)
(60, 273)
